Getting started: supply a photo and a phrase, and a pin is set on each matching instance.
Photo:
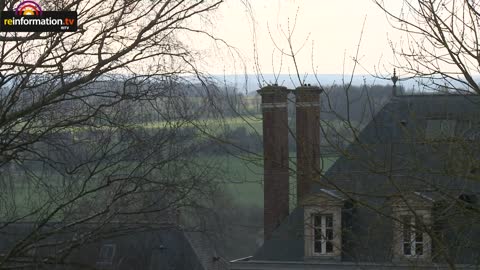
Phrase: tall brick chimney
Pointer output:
(307, 138)
(275, 155)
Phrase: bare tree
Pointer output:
(97, 127)
(441, 42)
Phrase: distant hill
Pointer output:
(250, 82)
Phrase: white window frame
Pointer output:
(323, 230)
(425, 215)
(309, 231)
(413, 228)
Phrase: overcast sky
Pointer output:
(333, 29)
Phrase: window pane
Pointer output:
(106, 252)
(419, 237)
(419, 249)
(418, 233)
(318, 220)
(318, 247)
(329, 221)
(406, 229)
(318, 234)
(329, 234)
(328, 247)
(407, 249)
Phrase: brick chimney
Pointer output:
(308, 138)
(275, 155)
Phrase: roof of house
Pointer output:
(206, 251)
(388, 155)
(153, 247)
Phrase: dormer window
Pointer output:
(413, 236)
(413, 216)
(323, 225)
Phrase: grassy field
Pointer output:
(252, 123)
(242, 177)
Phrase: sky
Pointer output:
(327, 34)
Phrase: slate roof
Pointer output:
(391, 154)
(205, 251)
(156, 247)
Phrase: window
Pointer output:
(323, 234)
(440, 129)
(323, 225)
(413, 239)
(413, 213)
(107, 252)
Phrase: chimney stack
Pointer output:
(275, 155)
(308, 138)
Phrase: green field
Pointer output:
(252, 123)
(242, 177)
